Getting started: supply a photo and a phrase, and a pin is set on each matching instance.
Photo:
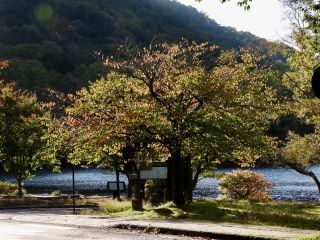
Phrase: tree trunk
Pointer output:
(130, 185)
(188, 179)
(196, 176)
(169, 180)
(137, 198)
(142, 189)
(178, 176)
(20, 193)
(314, 177)
(306, 173)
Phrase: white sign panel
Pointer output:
(154, 173)
(113, 186)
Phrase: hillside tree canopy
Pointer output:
(55, 44)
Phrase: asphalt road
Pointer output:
(15, 230)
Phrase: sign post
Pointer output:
(116, 187)
(136, 201)
(158, 170)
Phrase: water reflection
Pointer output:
(286, 183)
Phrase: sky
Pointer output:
(266, 18)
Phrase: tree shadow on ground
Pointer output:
(280, 214)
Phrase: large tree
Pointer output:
(101, 130)
(175, 103)
(25, 141)
(304, 59)
(301, 152)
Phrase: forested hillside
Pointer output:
(53, 43)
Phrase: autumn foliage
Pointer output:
(4, 64)
(245, 185)
(189, 104)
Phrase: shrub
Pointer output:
(8, 188)
(245, 185)
(154, 191)
(56, 193)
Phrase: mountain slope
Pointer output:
(52, 43)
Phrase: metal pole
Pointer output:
(117, 192)
(118, 187)
(73, 191)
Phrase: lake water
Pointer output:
(286, 183)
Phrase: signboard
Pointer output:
(112, 186)
(154, 173)
(133, 176)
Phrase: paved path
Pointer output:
(63, 218)
(14, 230)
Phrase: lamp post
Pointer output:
(116, 168)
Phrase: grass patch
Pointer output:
(311, 238)
(284, 214)
(302, 215)
(107, 206)
(297, 215)
(112, 206)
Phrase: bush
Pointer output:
(56, 193)
(8, 188)
(245, 185)
(154, 191)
